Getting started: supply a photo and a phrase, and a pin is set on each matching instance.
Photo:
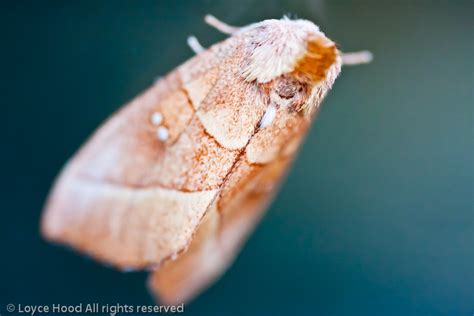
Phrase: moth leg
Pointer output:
(194, 44)
(268, 116)
(357, 58)
(219, 25)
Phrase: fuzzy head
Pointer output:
(292, 59)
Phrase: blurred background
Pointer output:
(376, 217)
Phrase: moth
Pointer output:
(177, 179)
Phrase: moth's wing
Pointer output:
(245, 196)
(131, 200)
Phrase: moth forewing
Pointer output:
(108, 195)
(176, 180)
(233, 215)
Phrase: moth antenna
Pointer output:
(219, 25)
(289, 16)
(194, 44)
(357, 58)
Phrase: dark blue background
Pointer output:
(377, 216)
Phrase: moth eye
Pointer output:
(288, 88)
(287, 92)
(290, 93)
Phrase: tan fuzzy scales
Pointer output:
(175, 181)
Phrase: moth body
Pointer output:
(180, 198)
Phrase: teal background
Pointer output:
(376, 217)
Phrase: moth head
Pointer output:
(293, 60)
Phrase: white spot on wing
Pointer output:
(162, 133)
(156, 118)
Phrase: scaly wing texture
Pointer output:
(131, 200)
(232, 216)
(183, 204)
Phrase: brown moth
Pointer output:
(176, 180)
